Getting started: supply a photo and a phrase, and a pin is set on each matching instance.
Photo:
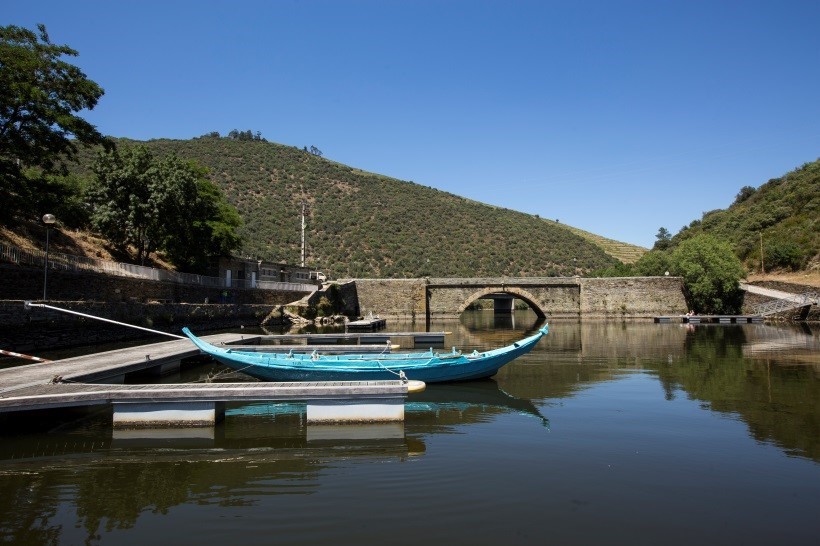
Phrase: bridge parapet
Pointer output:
(503, 281)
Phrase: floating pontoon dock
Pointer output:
(97, 379)
(713, 319)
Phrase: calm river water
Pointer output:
(608, 432)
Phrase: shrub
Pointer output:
(711, 272)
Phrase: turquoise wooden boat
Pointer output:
(429, 366)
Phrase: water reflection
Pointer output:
(440, 407)
(767, 376)
(606, 385)
(117, 475)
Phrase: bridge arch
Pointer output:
(519, 293)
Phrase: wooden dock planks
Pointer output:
(81, 394)
(106, 365)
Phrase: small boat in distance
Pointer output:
(429, 366)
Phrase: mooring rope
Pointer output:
(219, 373)
(400, 373)
(28, 304)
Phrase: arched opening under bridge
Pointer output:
(504, 300)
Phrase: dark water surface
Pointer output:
(608, 432)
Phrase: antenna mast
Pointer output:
(303, 234)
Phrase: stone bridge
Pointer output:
(560, 297)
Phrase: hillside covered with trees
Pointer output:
(711, 254)
(364, 224)
(783, 214)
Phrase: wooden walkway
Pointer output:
(108, 365)
(91, 380)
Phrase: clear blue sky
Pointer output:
(617, 117)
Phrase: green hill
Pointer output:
(783, 214)
(364, 224)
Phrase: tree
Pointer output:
(39, 96)
(654, 263)
(744, 193)
(663, 239)
(198, 222)
(166, 205)
(124, 198)
(710, 272)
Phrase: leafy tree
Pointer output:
(199, 223)
(654, 263)
(64, 196)
(783, 254)
(246, 135)
(166, 205)
(124, 199)
(39, 96)
(710, 272)
(744, 193)
(663, 238)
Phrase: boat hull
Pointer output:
(428, 367)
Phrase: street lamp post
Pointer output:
(48, 219)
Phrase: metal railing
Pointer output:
(69, 262)
(785, 304)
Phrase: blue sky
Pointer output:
(617, 117)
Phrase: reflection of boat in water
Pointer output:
(459, 403)
(462, 403)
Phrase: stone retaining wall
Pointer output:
(151, 304)
(25, 283)
(632, 297)
(400, 298)
(25, 330)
